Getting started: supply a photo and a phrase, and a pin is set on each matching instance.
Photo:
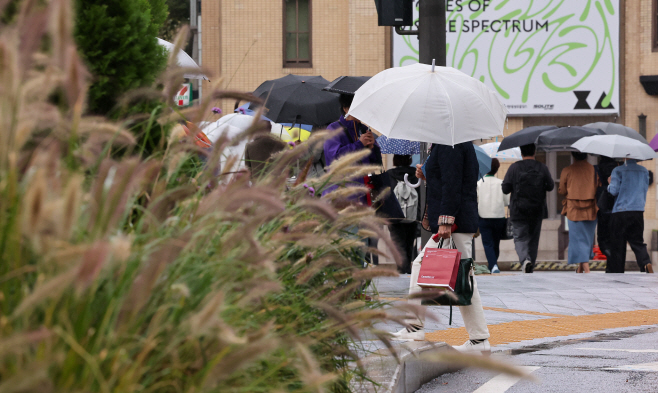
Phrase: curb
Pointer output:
(409, 374)
(559, 266)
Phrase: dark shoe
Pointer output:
(648, 268)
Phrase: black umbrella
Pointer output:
(346, 84)
(563, 138)
(524, 137)
(299, 99)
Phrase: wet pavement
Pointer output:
(621, 361)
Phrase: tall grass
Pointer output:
(125, 273)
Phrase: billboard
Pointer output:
(543, 57)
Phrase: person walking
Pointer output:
(528, 181)
(452, 174)
(578, 184)
(629, 183)
(404, 232)
(605, 202)
(491, 209)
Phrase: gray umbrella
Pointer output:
(562, 138)
(526, 136)
(617, 129)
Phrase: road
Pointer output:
(620, 361)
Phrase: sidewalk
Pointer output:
(543, 305)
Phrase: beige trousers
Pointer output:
(473, 315)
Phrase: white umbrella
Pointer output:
(425, 103)
(184, 60)
(513, 154)
(615, 146)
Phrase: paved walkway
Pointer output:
(520, 308)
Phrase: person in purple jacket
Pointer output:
(355, 137)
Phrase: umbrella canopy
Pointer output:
(346, 84)
(299, 99)
(424, 103)
(615, 146)
(246, 110)
(184, 60)
(513, 154)
(398, 146)
(526, 136)
(562, 138)
(290, 134)
(654, 143)
(484, 161)
(617, 129)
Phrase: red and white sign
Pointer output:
(184, 96)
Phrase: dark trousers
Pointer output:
(627, 227)
(404, 235)
(492, 231)
(526, 239)
(603, 232)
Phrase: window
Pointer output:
(297, 33)
(654, 26)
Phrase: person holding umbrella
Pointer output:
(629, 183)
(578, 183)
(355, 136)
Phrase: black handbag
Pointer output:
(388, 206)
(463, 288)
(509, 230)
(606, 201)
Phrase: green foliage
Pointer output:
(179, 14)
(117, 40)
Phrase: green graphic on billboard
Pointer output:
(542, 56)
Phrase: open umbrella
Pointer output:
(346, 84)
(484, 161)
(654, 143)
(615, 146)
(617, 129)
(246, 110)
(424, 103)
(398, 146)
(184, 60)
(492, 150)
(524, 137)
(562, 138)
(299, 99)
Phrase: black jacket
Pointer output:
(512, 178)
(452, 175)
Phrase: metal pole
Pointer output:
(432, 46)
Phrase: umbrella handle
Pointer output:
(406, 180)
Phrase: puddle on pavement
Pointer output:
(598, 338)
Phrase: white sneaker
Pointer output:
(495, 269)
(526, 267)
(412, 333)
(471, 347)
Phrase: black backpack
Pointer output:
(530, 193)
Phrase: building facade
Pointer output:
(245, 42)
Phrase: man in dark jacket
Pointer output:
(528, 180)
(452, 174)
(604, 170)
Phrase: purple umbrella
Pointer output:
(654, 143)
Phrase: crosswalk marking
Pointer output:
(646, 367)
(502, 382)
(622, 350)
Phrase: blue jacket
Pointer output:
(629, 184)
(347, 142)
(452, 175)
